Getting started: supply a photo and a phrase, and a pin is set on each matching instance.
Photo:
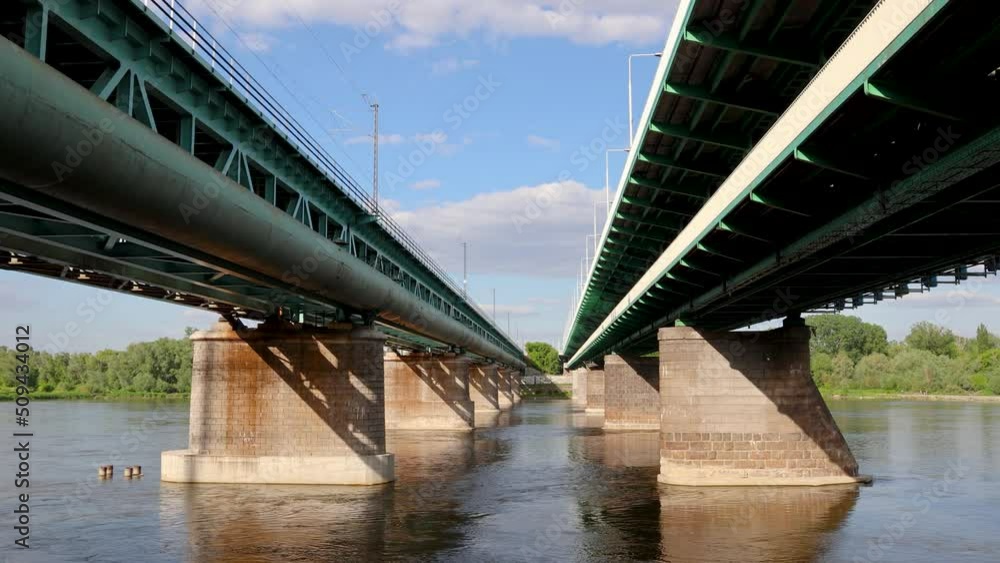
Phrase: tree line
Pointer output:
(159, 367)
(848, 354)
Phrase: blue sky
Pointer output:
(494, 120)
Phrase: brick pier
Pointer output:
(484, 388)
(631, 393)
(595, 391)
(285, 404)
(427, 392)
(741, 408)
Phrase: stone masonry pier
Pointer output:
(741, 408)
(285, 404)
(595, 391)
(484, 388)
(427, 392)
(631, 393)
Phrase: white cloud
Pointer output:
(543, 142)
(425, 185)
(258, 42)
(452, 65)
(534, 231)
(418, 24)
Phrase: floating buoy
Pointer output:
(137, 471)
(102, 471)
(110, 470)
(128, 472)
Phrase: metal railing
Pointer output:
(182, 23)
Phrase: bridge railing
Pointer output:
(188, 29)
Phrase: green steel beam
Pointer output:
(673, 224)
(724, 226)
(715, 252)
(726, 42)
(678, 190)
(774, 203)
(827, 162)
(649, 204)
(729, 100)
(668, 162)
(730, 140)
(911, 98)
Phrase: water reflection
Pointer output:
(751, 523)
(252, 523)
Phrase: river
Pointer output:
(544, 483)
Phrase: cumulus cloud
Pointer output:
(534, 231)
(543, 142)
(417, 24)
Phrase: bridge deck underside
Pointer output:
(923, 127)
(739, 65)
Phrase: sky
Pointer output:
(494, 120)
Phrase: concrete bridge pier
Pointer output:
(595, 390)
(285, 404)
(631, 393)
(427, 392)
(484, 387)
(579, 389)
(741, 408)
(515, 386)
(505, 388)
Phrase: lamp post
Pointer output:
(630, 57)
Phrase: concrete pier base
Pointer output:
(579, 389)
(484, 388)
(515, 386)
(595, 391)
(505, 398)
(285, 405)
(741, 408)
(427, 392)
(631, 393)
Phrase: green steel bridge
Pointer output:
(796, 156)
(137, 155)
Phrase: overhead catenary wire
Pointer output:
(185, 23)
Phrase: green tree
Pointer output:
(833, 334)
(872, 371)
(933, 338)
(984, 339)
(545, 357)
(843, 370)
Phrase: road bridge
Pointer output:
(138, 156)
(792, 157)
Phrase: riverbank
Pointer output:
(881, 394)
(11, 394)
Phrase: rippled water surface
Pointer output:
(542, 483)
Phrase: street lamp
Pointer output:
(630, 123)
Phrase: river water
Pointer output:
(543, 483)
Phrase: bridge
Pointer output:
(792, 157)
(138, 156)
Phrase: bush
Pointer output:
(872, 371)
